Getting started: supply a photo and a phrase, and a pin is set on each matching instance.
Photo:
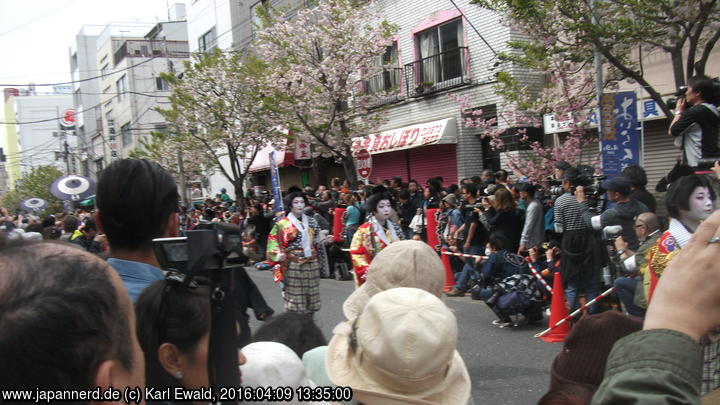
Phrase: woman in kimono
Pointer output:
(689, 201)
(374, 235)
(293, 248)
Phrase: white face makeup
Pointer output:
(383, 210)
(298, 205)
(700, 204)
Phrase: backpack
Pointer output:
(512, 303)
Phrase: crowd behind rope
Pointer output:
(96, 270)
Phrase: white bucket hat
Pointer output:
(400, 350)
(272, 364)
(408, 263)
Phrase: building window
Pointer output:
(121, 86)
(441, 53)
(98, 167)
(106, 90)
(104, 71)
(126, 134)
(161, 84)
(389, 79)
(206, 41)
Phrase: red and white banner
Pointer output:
(429, 133)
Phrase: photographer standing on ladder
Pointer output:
(695, 126)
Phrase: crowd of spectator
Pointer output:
(91, 283)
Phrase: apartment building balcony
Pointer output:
(387, 85)
(151, 48)
(438, 72)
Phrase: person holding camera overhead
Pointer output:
(695, 126)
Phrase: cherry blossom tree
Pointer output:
(624, 32)
(317, 62)
(222, 115)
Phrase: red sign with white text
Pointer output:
(428, 133)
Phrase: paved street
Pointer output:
(506, 366)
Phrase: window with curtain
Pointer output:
(389, 78)
(441, 58)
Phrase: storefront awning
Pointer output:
(283, 158)
(413, 136)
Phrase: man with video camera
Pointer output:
(695, 126)
(581, 251)
(623, 213)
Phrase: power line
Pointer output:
(36, 19)
(89, 78)
(473, 27)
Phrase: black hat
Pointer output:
(619, 184)
(562, 165)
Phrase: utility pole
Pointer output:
(183, 187)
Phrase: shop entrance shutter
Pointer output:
(659, 156)
(433, 161)
(387, 165)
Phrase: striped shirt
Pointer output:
(568, 214)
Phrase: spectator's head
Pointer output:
(400, 349)
(645, 224)
(435, 182)
(454, 189)
(449, 202)
(396, 182)
(618, 188)
(690, 199)
(67, 321)
(299, 332)
(89, 228)
(702, 89)
(470, 192)
(527, 191)
(273, 364)
(560, 168)
(413, 186)
(569, 178)
(580, 367)
(504, 200)
(295, 203)
(137, 201)
(335, 183)
(48, 220)
(321, 188)
(404, 196)
(486, 176)
(407, 263)
(636, 176)
(496, 243)
(173, 327)
(501, 176)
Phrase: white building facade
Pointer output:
(131, 60)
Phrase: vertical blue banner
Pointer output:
(620, 137)
(275, 180)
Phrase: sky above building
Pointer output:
(35, 34)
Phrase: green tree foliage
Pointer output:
(565, 33)
(35, 184)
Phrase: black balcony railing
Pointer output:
(438, 72)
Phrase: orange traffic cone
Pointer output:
(449, 277)
(558, 312)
